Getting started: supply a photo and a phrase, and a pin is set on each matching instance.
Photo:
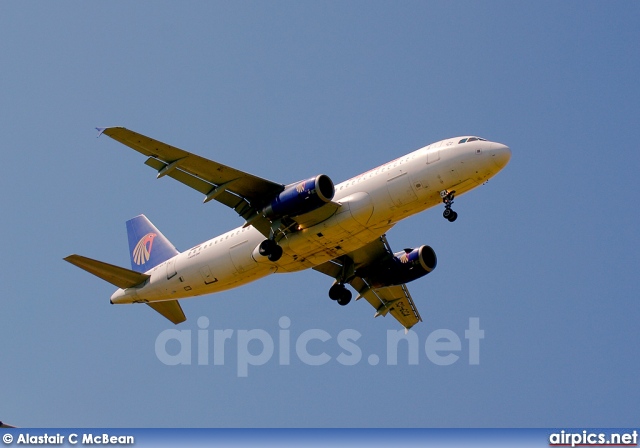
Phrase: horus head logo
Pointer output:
(142, 251)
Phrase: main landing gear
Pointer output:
(270, 249)
(338, 291)
(340, 294)
(447, 198)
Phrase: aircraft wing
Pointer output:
(388, 299)
(243, 192)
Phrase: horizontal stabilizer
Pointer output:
(170, 309)
(120, 277)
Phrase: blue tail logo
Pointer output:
(148, 247)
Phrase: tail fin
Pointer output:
(148, 247)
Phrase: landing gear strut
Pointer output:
(270, 249)
(339, 293)
(447, 199)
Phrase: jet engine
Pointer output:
(301, 197)
(403, 267)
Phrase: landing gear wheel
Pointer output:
(275, 254)
(452, 216)
(340, 294)
(266, 247)
(345, 298)
(336, 291)
(445, 214)
(270, 249)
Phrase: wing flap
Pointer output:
(170, 309)
(185, 178)
(120, 277)
(224, 197)
(395, 300)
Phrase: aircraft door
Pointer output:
(207, 276)
(171, 268)
(433, 153)
(241, 256)
(399, 187)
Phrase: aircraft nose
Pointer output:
(501, 154)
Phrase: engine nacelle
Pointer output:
(403, 267)
(301, 197)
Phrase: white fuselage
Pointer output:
(371, 204)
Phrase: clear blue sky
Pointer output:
(545, 255)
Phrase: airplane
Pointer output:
(338, 230)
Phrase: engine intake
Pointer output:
(403, 267)
(301, 197)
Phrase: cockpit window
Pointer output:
(471, 139)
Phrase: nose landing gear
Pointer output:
(447, 199)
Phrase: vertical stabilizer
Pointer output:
(148, 247)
